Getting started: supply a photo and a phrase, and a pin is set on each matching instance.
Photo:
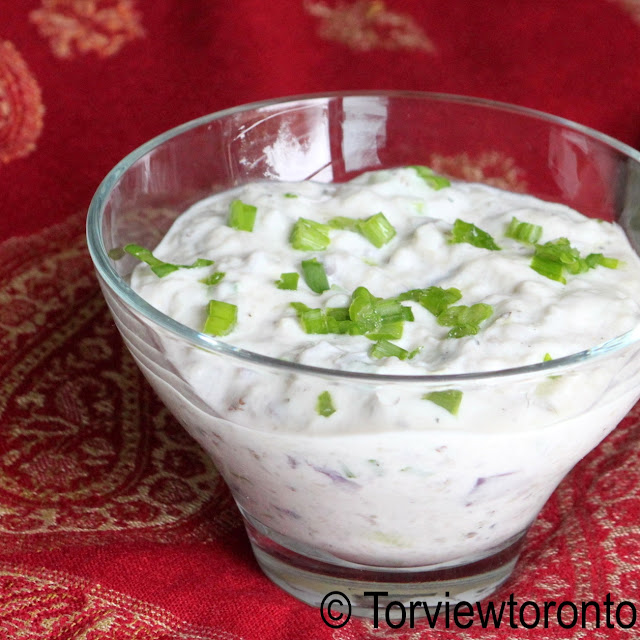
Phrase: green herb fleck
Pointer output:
(465, 321)
(431, 178)
(221, 319)
(288, 281)
(309, 235)
(377, 230)
(470, 234)
(242, 216)
(324, 405)
(449, 400)
(214, 278)
(159, 267)
(524, 232)
(386, 349)
(314, 275)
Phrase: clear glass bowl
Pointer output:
(417, 504)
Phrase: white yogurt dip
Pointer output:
(391, 478)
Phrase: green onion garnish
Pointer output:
(316, 321)
(288, 281)
(324, 405)
(344, 223)
(385, 349)
(556, 257)
(388, 331)
(547, 357)
(377, 230)
(300, 307)
(159, 267)
(465, 321)
(314, 275)
(431, 178)
(339, 313)
(214, 278)
(371, 313)
(242, 216)
(290, 195)
(467, 232)
(221, 319)
(309, 235)
(548, 268)
(523, 231)
(597, 259)
(449, 400)
(433, 299)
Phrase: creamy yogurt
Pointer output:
(389, 478)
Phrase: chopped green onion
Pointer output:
(159, 267)
(465, 321)
(361, 308)
(547, 357)
(344, 223)
(300, 307)
(200, 262)
(288, 281)
(339, 313)
(214, 278)
(524, 231)
(449, 400)
(309, 235)
(385, 349)
(414, 352)
(467, 232)
(315, 321)
(597, 259)
(221, 319)
(324, 405)
(314, 275)
(290, 195)
(431, 178)
(242, 216)
(372, 313)
(548, 268)
(388, 331)
(553, 258)
(377, 230)
(433, 299)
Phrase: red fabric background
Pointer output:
(112, 522)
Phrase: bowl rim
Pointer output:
(108, 276)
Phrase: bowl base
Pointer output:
(413, 590)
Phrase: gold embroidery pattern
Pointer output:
(21, 109)
(365, 25)
(80, 26)
(490, 167)
(86, 448)
(52, 605)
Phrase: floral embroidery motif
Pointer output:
(21, 109)
(80, 26)
(86, 450)
(490, 167)
(364, 25)
(52, 605)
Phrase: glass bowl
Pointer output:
(397, 497)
